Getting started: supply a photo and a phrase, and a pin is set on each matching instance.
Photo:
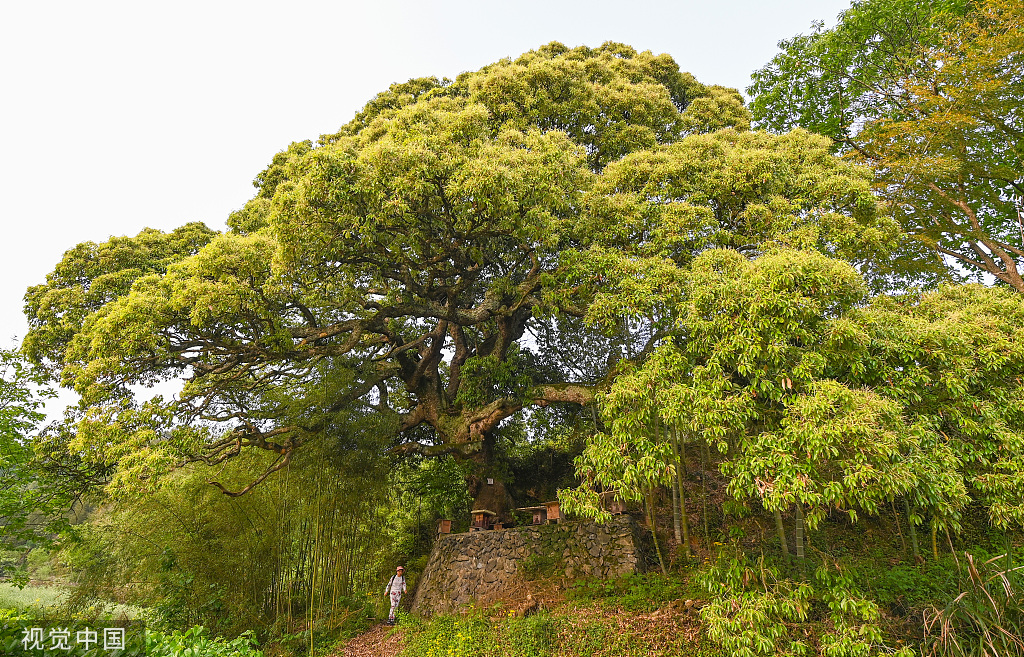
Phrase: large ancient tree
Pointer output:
(413, 281)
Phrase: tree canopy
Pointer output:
(929, 94)
(440, 263)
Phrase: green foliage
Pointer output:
(438, 489)
(301, 548)
(448, 637)
(817, 399)
(753, 611)
(636, 593)
(479, 636)
(488, 378)
(24, 493)
(906, 586)
(91, 275)
(430, 224)
(197, 642)
(919, 91)
(750, 609)
(829, 79)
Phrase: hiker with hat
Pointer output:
(395, 589)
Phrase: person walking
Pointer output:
(395, 589)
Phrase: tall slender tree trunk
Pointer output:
(654, 530)
(677, 528)
(780, 529)
(679, 453)
(913, 532)
(705, 460)
(798, 537)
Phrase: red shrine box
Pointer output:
(540, 513)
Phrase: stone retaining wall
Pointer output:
(479, 566)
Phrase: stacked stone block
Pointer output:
(479, 567)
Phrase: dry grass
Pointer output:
(379, 641)
(600, 632)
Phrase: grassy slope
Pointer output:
(29, 599)
(45, 601)
(652, 615)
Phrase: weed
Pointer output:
(985, 618)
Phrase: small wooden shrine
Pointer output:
(544, 513)
(540, 513)
(482, 520)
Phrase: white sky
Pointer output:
(116, 116)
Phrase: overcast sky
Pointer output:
(118, 116)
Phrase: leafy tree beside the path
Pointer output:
(25, 505)
(414, 281)
(931, 96)
(817, 399)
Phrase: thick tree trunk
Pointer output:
(487, 486)
(468, 434)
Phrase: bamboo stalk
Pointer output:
(798, 537)
(680, 454)
(780, 529)
(654, 532)
(913, 531)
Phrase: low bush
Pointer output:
(196, 642)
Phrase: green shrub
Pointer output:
(904, 588)
(533, 636)
(478, 636)
(636, 592)
(752, 609)
(447, 636)
(196, 642)
(39, 566)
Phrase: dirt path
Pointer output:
(378, 641)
